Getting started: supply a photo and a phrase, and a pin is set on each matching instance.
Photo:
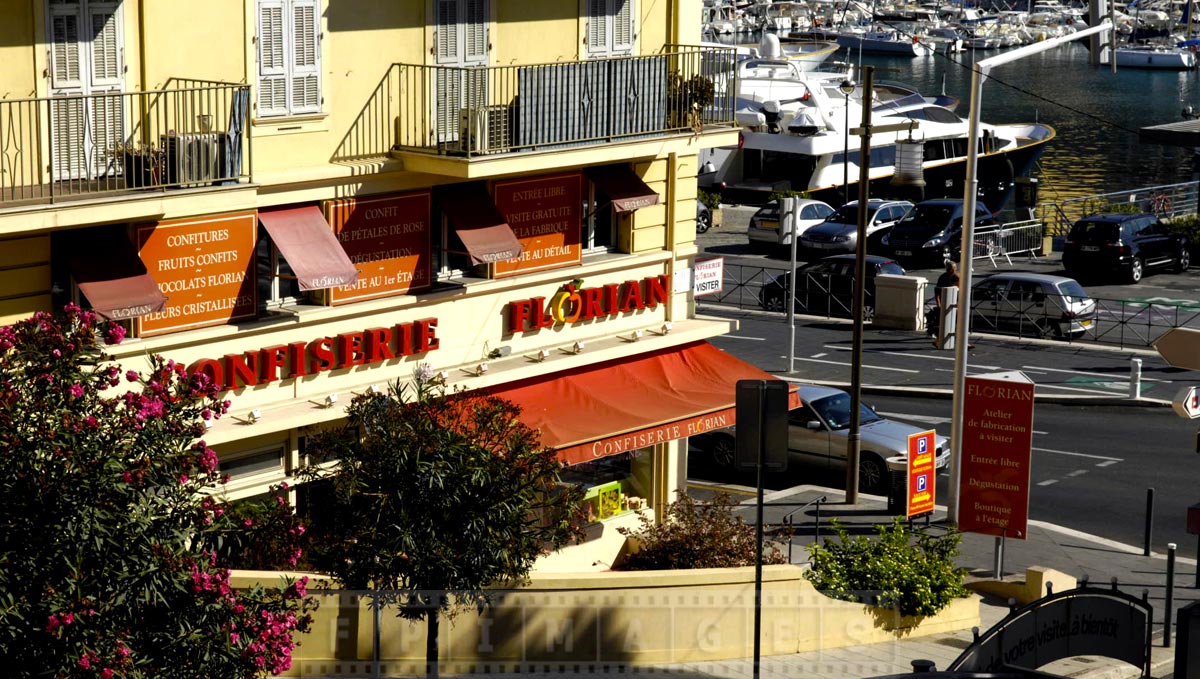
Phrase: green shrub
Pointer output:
(776, 195)
(710, 200)
(918, 578)
(696, 534)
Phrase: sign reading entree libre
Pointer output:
(388, 241)
(205, 268)
(545, 214)
(997, 440)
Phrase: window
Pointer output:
(613, 485)
(289, 58)
(600, 221)
(610, 29)
(277, 283)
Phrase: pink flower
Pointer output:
(127, 477)
(52, 623)
(68, 618)
(106, 673)
(85, 662)
(183, 479)
(75, 390)
(114, 334)
(131, 375)
(247, 523)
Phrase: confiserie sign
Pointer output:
(997, 440)
(388, 241)
(205, 268)
(574, 303)
(545, 214)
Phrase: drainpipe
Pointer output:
(141, 38)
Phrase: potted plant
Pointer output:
(686, 100)
(712, 201)
(141, 164)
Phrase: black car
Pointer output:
(932, 230)
(1126, 244)
(826, 286)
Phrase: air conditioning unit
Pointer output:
(194, 159)
(484, 129)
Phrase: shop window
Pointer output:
(277, 283)
(600, 223)
(451, 259)
(613, 485)
(247, 466)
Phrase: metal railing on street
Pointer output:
(190, 133)
(1006, 240)
(1167, 201)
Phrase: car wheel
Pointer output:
(722, 451)
(873, 474)
(1185, 260)
(703, 222)
(773, 302)
(1135, 270)
(868, 314)
(1050, 329)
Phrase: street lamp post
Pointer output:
(853, 446)
(847, 87)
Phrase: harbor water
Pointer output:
(1096, 113)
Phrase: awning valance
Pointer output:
(483, 230)
(309, 246)
(623, 187)
(620, 406)
(114, 279)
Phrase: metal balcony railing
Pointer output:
(191, 133)
(478, 111)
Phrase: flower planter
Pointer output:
(141, 170)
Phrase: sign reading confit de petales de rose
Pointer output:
(388, 239)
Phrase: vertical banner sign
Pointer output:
(922, 474)
(388, 239)
(997, 439)
(205, 267)
(546, 215)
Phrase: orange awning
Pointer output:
(483, 230)
(623, 187)
(619, 406)
(309, 246)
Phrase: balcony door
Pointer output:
(460, 40)
(87, 116)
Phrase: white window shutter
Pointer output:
(306, 58)
(597, 27)
(65, 67)
(448, 47)
(272, 59)
(105, 47)
(475, 29)
(622, 32)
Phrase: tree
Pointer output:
(436, 497)
(112, 554)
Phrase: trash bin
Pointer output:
(897, 497)
(1187, 646)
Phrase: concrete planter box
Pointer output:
(610, 618)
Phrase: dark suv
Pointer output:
(1123, 243)
(932, 230)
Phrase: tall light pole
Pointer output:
(853, 444)
(962, 322)
(847, 88)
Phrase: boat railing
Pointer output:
(1167, 201)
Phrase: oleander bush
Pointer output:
(911, 571)
(696, 534)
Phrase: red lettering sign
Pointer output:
(388, 240)
(571, 304)
(343, 351)
(922, 473)
(546, 215)
(204, 266)
(995, 466)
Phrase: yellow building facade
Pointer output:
(308, 199)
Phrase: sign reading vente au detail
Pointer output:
(574, 303)
(337, 352)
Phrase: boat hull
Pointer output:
(1162, 59)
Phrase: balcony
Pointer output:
(56, 150)
(466, 122)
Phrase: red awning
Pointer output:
(483, 230)
(623, 405)
(623, 187)
(309, 246)
(114, 279)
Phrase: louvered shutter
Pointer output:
(597, 27)
(106, 123)
(306, 58)
(622, 27)
(448, 47)
(272, 59)
(65, 67)
(475, 31)
(67, 118)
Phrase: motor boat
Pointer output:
(1159, 57)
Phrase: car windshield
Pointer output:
(1095, 232)
(934, 215)
(835, 410)
(848, 214)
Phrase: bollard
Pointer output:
(922, 666)
(1135, 378)
(1149, 521)
(1170, 595)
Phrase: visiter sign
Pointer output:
(997, 436)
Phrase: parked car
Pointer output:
(826, 286)
(932, 230)
(764, 230)
(703, 217)
(817, 435)
(839, 233)
(1127, 244)
(1031, 304)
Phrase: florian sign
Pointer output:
(574, 303)
(297, 359)
(996, 449)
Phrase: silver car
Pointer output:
(819, 429)
(839, 233)
(764, 231)
(1031, 304)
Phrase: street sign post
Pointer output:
(1180, 347)
(1187, 403)
(921, 473)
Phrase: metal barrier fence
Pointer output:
(1124, 323)
(1014, 238)
(191, 133)
(1166, 201)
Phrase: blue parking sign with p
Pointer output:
(922, 446)
(922, 483)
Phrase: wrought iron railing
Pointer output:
(1125, 323)
(1167, 201)
(191, 133)
(477, 111)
